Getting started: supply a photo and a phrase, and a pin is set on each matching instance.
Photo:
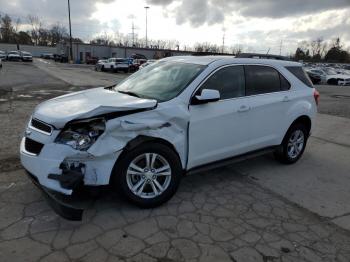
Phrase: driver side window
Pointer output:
(229, 81)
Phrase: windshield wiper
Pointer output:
(129, 93)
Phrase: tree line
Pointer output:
(319, 50)
(37, 34)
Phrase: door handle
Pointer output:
(243, 109)
(286, 99)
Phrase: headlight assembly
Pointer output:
(81, 135)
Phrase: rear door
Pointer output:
(270, 99)
(220, 129)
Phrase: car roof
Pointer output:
(206, 60)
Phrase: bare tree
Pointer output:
(7, 30)
(236, 49)
(36, 25)
(57, 33)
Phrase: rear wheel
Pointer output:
(149, 175)
(293, 145)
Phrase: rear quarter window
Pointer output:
(299, 73)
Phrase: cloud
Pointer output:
(51, 12)
(199, 12)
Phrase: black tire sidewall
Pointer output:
(120, 183)
(286, 159)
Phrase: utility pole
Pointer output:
(223, 40)
(70, 34)
(281, 47)
(146, 7)
(133, 33)
(223, 43)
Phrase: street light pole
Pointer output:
(70, 34)
(146, 7)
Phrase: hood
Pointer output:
(86, 104)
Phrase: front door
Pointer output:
(220, 130)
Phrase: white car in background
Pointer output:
(330, 76)
(13, 56)
(177, 116)
(114, 65)
(26, 56)
(2, 55)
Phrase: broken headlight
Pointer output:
(82, 134)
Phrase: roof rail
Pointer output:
(262, 56)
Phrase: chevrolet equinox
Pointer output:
(174, 117)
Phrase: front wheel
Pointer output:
(293, 145)
(149, 175)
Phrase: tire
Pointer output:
(333, 82)
(102, 68)
(146, 184)
(290, 152)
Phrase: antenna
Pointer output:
(281, 47)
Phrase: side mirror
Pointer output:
(206, 96)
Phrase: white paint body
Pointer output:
(200, 134)
(113, 64)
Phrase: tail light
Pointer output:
(316, 96)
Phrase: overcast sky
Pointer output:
(256, 25)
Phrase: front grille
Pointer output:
(32, 146)
(41, 126)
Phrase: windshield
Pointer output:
(161, 81)
(13, 53)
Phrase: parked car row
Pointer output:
(329, 74)
(16, 56)
(127, 65)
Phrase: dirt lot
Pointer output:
(256, 210)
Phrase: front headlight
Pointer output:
(81, 135)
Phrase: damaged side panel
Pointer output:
(166, 122)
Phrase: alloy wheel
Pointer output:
(148, 175)
(295, 144)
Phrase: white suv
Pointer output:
(174, 117)
(114, 64)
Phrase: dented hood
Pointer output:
(85, 104)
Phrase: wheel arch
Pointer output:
(139, 140)
(303, 119)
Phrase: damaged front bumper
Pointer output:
(61, 208)
(62, 169)
(58, 170)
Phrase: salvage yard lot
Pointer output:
(257, 210)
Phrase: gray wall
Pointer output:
(34, 50)
(81, 51)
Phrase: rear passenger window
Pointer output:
(261, 80)
(229, 81)
(285, 85)
(298, 72)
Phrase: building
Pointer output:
(82, 51)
